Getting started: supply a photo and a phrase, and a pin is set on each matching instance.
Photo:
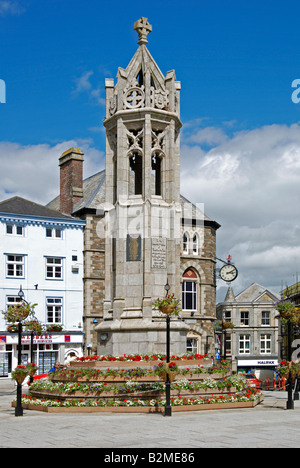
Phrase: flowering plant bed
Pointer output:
(141, 357)
(99, 375)
(139, 388)
(246, 400)
(142, 389)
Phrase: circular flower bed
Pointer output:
(249, 395)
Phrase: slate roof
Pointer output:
(254, 292)
(21, 206)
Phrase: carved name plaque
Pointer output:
(133, 248)
(159, 253)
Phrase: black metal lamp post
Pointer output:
(290, 403)
(19, 408)
(168, 408)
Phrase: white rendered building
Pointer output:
(41, 252)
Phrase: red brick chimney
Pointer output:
(71, 191)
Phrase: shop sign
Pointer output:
(258, 362)
(37, 339)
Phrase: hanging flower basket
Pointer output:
(288, 311)
(168, 305)
(19, 312)
(19, 374)
(31, 368)
(13, 328)
(223, 325)
(166, 369)
(171, 374)
(287, 368)
(166, 309)
(34, 326)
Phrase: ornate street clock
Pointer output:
(228, 273)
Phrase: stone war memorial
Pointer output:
(146, 241)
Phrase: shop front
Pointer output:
(47, 350)
(262, 368)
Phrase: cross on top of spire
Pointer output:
(143, 28)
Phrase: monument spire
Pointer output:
(143, 28)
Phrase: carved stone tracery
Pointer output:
(135, 141)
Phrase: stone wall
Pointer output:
(93, 281)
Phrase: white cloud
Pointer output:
(83, 84)
(208, 135)
(32, 171)
(250, 184)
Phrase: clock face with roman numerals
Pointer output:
(228, 272)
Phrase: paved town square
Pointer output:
(268, 425)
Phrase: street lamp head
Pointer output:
(167, 287)
(21, 293)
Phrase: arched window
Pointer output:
(185, 243)
(189, 291)
(156, 174)
(135, 174)
(192, 345)
(195, 244)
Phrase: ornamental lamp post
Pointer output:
(19, 408)
(289, 403)
(168, 408)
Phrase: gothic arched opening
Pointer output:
(135, 174)
(156, 164)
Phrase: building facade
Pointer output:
(41, 253)
(252, 344)
(140, 232)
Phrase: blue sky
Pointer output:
(236, 61)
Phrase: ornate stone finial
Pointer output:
(143, 28)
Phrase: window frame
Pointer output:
(14, 228)
(267, 318)
(57, 302)
(265, 342)
(244, 344)
(186, 292)
(245, 319)
(53, 233)
(15, 263)
(53, 265)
